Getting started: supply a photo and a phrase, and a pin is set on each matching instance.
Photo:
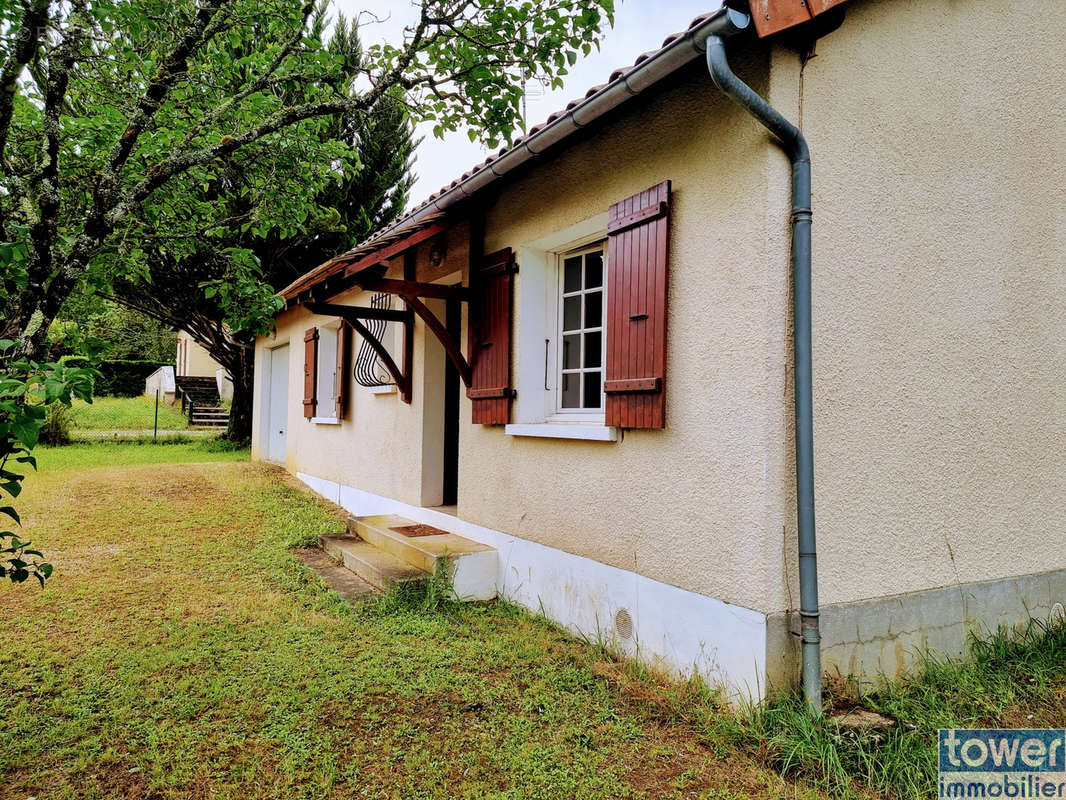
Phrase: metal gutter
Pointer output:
(795, 145)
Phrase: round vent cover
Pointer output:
(623, 624)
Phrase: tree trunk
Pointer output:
(240, 415)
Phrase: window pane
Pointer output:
(593, 309)
(572, 313)
(572, 351)
(592, 389)
(571, 390)
(593, 349)
(572, 274)
(593, 270)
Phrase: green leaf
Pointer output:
(10, 511)
(26, 432)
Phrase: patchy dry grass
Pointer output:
(180, 650)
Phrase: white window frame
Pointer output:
(581, 414)
(326, 367)
(538, 338)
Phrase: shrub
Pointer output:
(121, 377)
(58, 420)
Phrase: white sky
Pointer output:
(640, 25)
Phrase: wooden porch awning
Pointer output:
(359, 267)
(337, 274)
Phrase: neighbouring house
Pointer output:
(573, 368)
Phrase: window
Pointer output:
(326, 381)
(581, 339)
(560, 334)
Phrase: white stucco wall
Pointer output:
(939, 334)
(939, 162)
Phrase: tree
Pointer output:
(128, 334)
(105, 104)
(224, 301)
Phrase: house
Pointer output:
(195, 366)
(577, 360)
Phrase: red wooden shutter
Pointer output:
(635, 383)
(310, 371)
(344, 336)
(490, 340)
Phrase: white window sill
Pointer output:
(564, 430)
(389, 389)
(325, 421)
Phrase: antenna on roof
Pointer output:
(534, 90)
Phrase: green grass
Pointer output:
(181, 650)
(1011, 679)
(127, 413)
(135, 453)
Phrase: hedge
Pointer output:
(123, 377)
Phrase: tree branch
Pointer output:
(27, 41)
(208, 21)
(262, 82)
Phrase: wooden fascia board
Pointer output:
(396, 248)
(771, 16)
(343, 266)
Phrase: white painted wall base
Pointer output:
(675, 630)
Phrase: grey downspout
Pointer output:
(793, 143)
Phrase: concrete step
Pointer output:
(377, 567)
(473, 564)
(343, 581)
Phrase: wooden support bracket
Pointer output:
(451, 347)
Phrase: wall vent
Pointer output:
(623, 624)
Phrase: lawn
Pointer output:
(181, 650)
(127, 414)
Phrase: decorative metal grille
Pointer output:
(369, 371)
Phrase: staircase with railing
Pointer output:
(200, 402)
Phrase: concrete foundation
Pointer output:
(884, 637)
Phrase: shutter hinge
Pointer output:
(500, 393)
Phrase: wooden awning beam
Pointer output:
(395, 249)
(403, 381)
(414, 288)
(412, 291)
(351, 313)
(451, 347)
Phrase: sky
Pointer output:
(640, 25)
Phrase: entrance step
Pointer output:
(343, 581)
(424, 548)
(377, 567)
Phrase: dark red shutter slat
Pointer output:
(489, 336)
(637, 253)
(310, 371)
(344, 336)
